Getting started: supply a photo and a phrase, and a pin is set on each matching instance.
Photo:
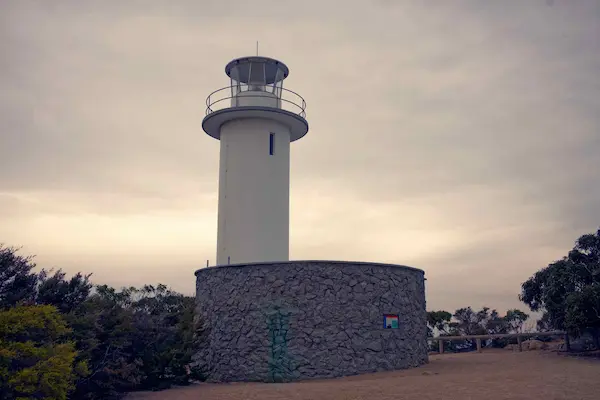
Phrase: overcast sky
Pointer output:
(459, 137)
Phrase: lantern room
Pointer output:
(256, 74)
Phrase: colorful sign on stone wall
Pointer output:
(390, 321)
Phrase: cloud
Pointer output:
(459, 137)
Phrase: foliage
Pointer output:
(132, 339)
(568, 290)
(440, 321)
(583, 312)
(164, 329)
(135, 339)
(17, 282)
(66, 295)
(35, 361)
(466, 321)
(543, 324)
(470, 322)
(515, 319)
(102, 329)
(547, 290)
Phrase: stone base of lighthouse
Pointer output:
(287, 321)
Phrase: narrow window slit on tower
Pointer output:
(271, 144)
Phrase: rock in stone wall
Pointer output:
(309, 319)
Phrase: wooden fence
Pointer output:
(519, 336)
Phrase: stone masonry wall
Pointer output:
(309, 319)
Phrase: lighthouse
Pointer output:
(255, 119)
(254, 288)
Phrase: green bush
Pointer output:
(36, 360)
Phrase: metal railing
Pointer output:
(289, 100)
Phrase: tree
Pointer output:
(486, 321)
(102, 330)
(543, 324)
(163, 335)
(35, 360)
(17, 282)
(494, 323)
(470, 322)
(438, 320)
(512, 322)
(547, 290)
(583, 311)
(65, 294)
(515, 319)
(567, 290)
(132, 339)
(135, 339)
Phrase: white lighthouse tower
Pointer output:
(255, 119)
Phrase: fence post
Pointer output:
(478, 345)
(440, 346)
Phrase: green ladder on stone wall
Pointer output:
(280, 368)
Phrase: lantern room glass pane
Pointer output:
(279, 83)
(235, 80)
(278, 89)
(257, 79)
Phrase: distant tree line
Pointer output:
(65, 338)
(466, 321)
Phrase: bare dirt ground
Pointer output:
(491, 375)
